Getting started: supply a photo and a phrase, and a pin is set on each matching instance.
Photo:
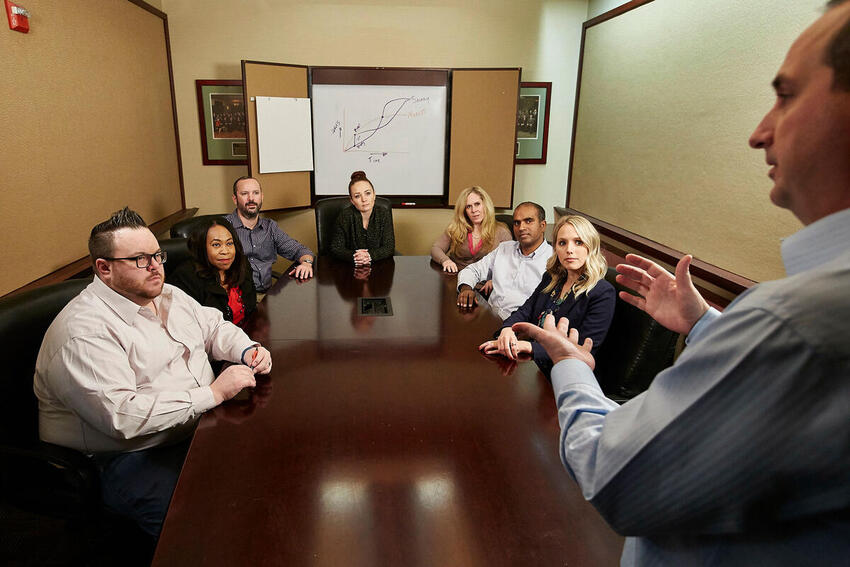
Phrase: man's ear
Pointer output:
(102, 268)
(234, 198)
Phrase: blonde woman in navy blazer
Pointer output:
(573, 287)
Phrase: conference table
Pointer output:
(382, 438)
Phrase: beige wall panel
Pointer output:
(85, 104)
(670, 94)
(280, 190)
(483, 132)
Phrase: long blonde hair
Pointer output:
(460, 225)
(594, 267)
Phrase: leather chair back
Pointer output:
(37, 475)
(183, 229)
(635, 350)
(24, 319)
(507, 220)
(177, 250)
(326, 212)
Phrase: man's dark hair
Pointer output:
(541, 212)
(243, 178)
(837, 55)
(197, 243)
(102, 235)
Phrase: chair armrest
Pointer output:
(50, 479)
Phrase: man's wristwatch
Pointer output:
(310, 261)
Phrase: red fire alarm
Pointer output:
(19, 18)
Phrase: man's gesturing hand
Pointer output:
(672, 301)
(560, 342)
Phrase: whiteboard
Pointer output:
(396, 134)
(283, 134)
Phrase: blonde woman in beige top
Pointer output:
(472, 234)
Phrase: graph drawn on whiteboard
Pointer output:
(396, 134)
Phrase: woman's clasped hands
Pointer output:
(506, 344)
(362, 257)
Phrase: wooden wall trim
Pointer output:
(78, 266)
(147, 7)
(728, 281)
(614, 12)
(159, 13)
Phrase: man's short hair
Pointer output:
(102, 235)
(837, 55)
(243, 178)
(541, 212)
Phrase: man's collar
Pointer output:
(237, 220)
(239, 223)
(125, 308)
(817, 243)
(533, 252)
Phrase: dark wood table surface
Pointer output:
(381, 441)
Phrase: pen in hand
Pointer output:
(254, 356)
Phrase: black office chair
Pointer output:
(326, 212)
(35, 475)
(508, 221)
(636, 348)
(177, 251)
(183, 229)
(50, 504)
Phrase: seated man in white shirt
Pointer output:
(123, 374)
(516, 266)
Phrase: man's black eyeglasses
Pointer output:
(144, 260)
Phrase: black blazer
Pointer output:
(207, 291)
(349, 235)
(591, 313)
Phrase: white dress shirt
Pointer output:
(113, 376)
(514, 275)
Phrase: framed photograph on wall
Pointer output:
(221, 112)
(532, 122)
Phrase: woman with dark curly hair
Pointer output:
(218, 275)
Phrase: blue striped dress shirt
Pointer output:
(739, 454)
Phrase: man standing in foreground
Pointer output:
(516, 266)
(262, 240)
(123, 374)
(740, 453)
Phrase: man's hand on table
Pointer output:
(466, 297)
(304, 270)
(231, 381)
(258, 359)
